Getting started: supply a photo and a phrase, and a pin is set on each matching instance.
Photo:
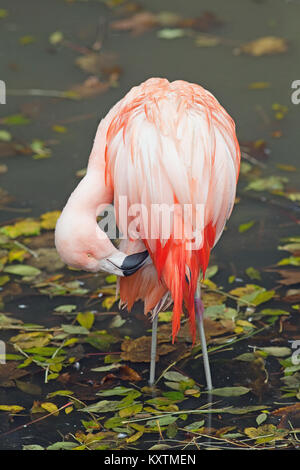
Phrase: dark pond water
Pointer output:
(41, 185)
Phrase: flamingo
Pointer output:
(164, 143)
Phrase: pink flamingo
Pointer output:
(168, 144)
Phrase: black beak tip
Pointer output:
(134, 262)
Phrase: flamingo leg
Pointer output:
(199, 308)
(153, 350)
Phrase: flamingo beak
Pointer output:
(124, 265)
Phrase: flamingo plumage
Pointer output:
(164, 143)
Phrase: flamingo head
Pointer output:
(83, 245)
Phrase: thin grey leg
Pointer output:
(199, 320)
(153, 350)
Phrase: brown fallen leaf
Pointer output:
(96, 63)
(288, 414)
(90, 87)
(47, 259)
(127, 373)
(292, 296)
(257, 149)
(268, 45)
(138, 350)
(206, 22)
(290, 277)
(136, 24)
(9, 372)
(44, 240)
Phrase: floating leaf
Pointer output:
(130, 410)
(15, 120)
(50, 407)
(194, 426)
(5, 136)
(271, 183)
(86, 319)
(64, 445)
(164, 421)
(11, 408)
(261, 418)
(265, 46)
(25, 40)
(168, 33)
(292, 260)
(3, 13)
(22, 270)
(253, 273)
(75, 330)
(56, 38)
(230, 391)
(175, 376)
(66, 308)
(49, 219)
(259, 85)
(277, 351)
(244, 227)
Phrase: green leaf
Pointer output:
(273, 311)
(277, 351)
(253, 273)
(86, 319)
(56, 37)
(111, 279)
(67, 308)
(22, 270)
(168, 33)
(244, 227)
(115, 391)
(75, 330)
(246, 357)
(33, 447)
(263, 297)
(211, 271)
(3, 13)
(261, 418)
(64, 445)
(230, 391)
(130, 410)
(175, 376)
(292, 260)
(272, 183)
(5, 136)
(103, 406)
(194, 426)
(15, 120)
(163, 421)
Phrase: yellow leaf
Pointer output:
(238, 330)
(11, 408)
(130, 410)
(245, 323)
(26, 227)
(86, 319)
(50, 407)
(16, 254)
(49, 219)
(134, 437)
(265, 46)
(69, 409)
(108, 302)
(259, 85)
(59, 129)
(35, 339)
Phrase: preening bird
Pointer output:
(167, 157)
